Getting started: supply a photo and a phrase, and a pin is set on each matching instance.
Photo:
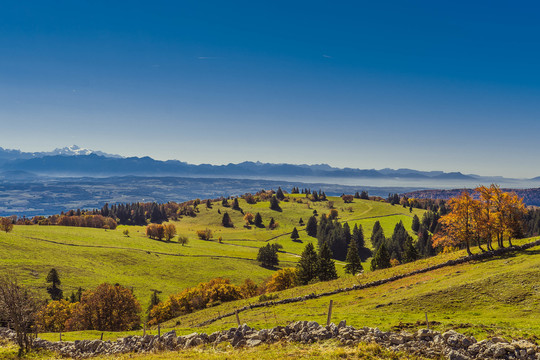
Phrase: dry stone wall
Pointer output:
(431, 344)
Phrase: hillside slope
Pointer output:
(87, 257)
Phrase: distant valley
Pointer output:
(43, 183)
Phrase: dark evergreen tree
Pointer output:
(258, 221)
(358, 237)
(396, 244)
(347, 233)
(294, 234)
(279, 194)
(271, 224)
(410, 251)
(268, 256)
(54, 279)
(415, 223)
(357, 195)
(208, 204)
(364, 195)
(300, 222)
(307, 265)
(156, 216)
(226, 220)
(154, 299)
(274, 203)
(76, 296)
(327, 266)
(354, 264)
(424, 244)
(311, 227)
(377, 235)
(236, 205)
(225, 202)
(381, 260)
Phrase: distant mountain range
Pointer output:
(75, 161)
(73, 150)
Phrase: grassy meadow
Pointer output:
(500, 296)
(86, 257)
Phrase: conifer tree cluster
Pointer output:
(338, 237)
(316, 267)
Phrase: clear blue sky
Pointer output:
(432, 85)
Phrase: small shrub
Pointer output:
(182, 239)
(205, 234)
(268, 297)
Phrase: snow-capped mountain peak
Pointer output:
(75, 150)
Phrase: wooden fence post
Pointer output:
(101, 338)
(329, 313)
(427, 322)
(237, 317)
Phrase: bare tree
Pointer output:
(18, 307)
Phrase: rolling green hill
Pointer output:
(498, 296)
(87, 257)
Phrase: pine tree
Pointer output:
(54, 279)
(381, 260)
(274, 203)
(364, 195)
(307, 266)
(410, 251)
(311, 227)
(226, 220)
(294, 234)
(347, 233)
(377, 235)
(415, 223)
(358, 237)
(354, 264)
(154, 299)
(279, 194)
(327, 266)
(424, 244)
(396, 243)
(258, 220)
(236, 205)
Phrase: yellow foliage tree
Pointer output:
(54, 316)
(282, 280)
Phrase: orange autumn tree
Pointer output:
(457, 225)
(494, 215)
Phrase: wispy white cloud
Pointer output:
(327, 56)
(206, 57)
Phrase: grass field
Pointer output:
(87, 257)
(500, 296)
